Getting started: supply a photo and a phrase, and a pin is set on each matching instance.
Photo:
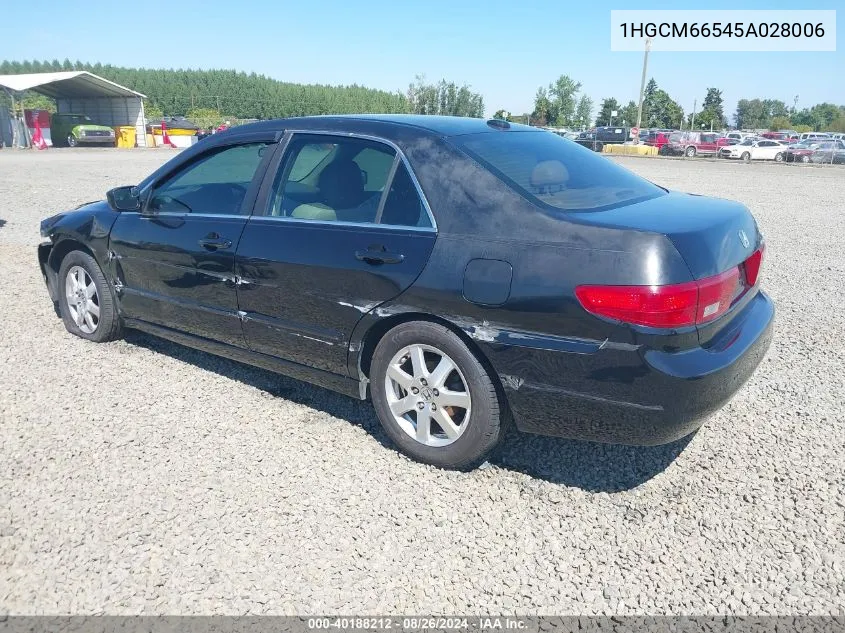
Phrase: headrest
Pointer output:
(342, 184)
(549, 173)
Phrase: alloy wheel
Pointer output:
(83, 301)
(428, 395)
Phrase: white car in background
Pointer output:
(755, 149)
(738, 136)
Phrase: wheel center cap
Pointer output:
(426, 393)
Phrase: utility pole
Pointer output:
(642, 88)
(692, 123)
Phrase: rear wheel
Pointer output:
(86, 301)
(433, 397)
(805, 159)
(779, 157)
(690, 152)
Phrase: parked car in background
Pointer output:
(800, 152)
(71, 130)
(760, 149)
(693, 143)
(775, 136)
(738, 136)
(814, 136)
(605, 135)
(829, 152)
(502, 272)
(656, 139)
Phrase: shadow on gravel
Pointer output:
(2, 222)
(588, 465)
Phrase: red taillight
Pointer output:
(753, 264)
(655, 306)
(716, 294)
(676, 305)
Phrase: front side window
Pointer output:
(337, 179)
(555, 172)
(216, 183)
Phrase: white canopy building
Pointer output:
(81, 92)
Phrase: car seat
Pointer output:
(341, 186)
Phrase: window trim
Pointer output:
(248, 203)
(263, 201)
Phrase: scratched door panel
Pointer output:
(304, 287)
(173, 274)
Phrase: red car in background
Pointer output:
(692, 143)
(775, 136)
(657, 139)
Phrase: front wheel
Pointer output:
(71, 141)
(433, 397)
(779, 157)
(746, 157)
(805, 159)
(86, 302)
(690, 152)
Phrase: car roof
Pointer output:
(434, 124)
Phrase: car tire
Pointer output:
(779, 157)
(71, 141)
(86, 300)
(805, 159)
(746, 156)
(416, 351)
(689, 152)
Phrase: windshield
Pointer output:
(76, 118)
(747, 142)
(555, 172)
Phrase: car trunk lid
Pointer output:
(715, 238)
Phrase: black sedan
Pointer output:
(462, 273)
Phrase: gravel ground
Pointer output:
(143, 477)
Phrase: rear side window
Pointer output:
(348, 180)
(556, 172)
(403, 206)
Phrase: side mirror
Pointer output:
(126, 198)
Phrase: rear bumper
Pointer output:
(624, 394)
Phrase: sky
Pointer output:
(504, 50)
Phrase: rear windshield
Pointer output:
(556, 172)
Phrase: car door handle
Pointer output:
(214, 242)
(373, 256)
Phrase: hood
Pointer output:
(92, 127)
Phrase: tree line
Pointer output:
(240, 95)
(559, 105)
